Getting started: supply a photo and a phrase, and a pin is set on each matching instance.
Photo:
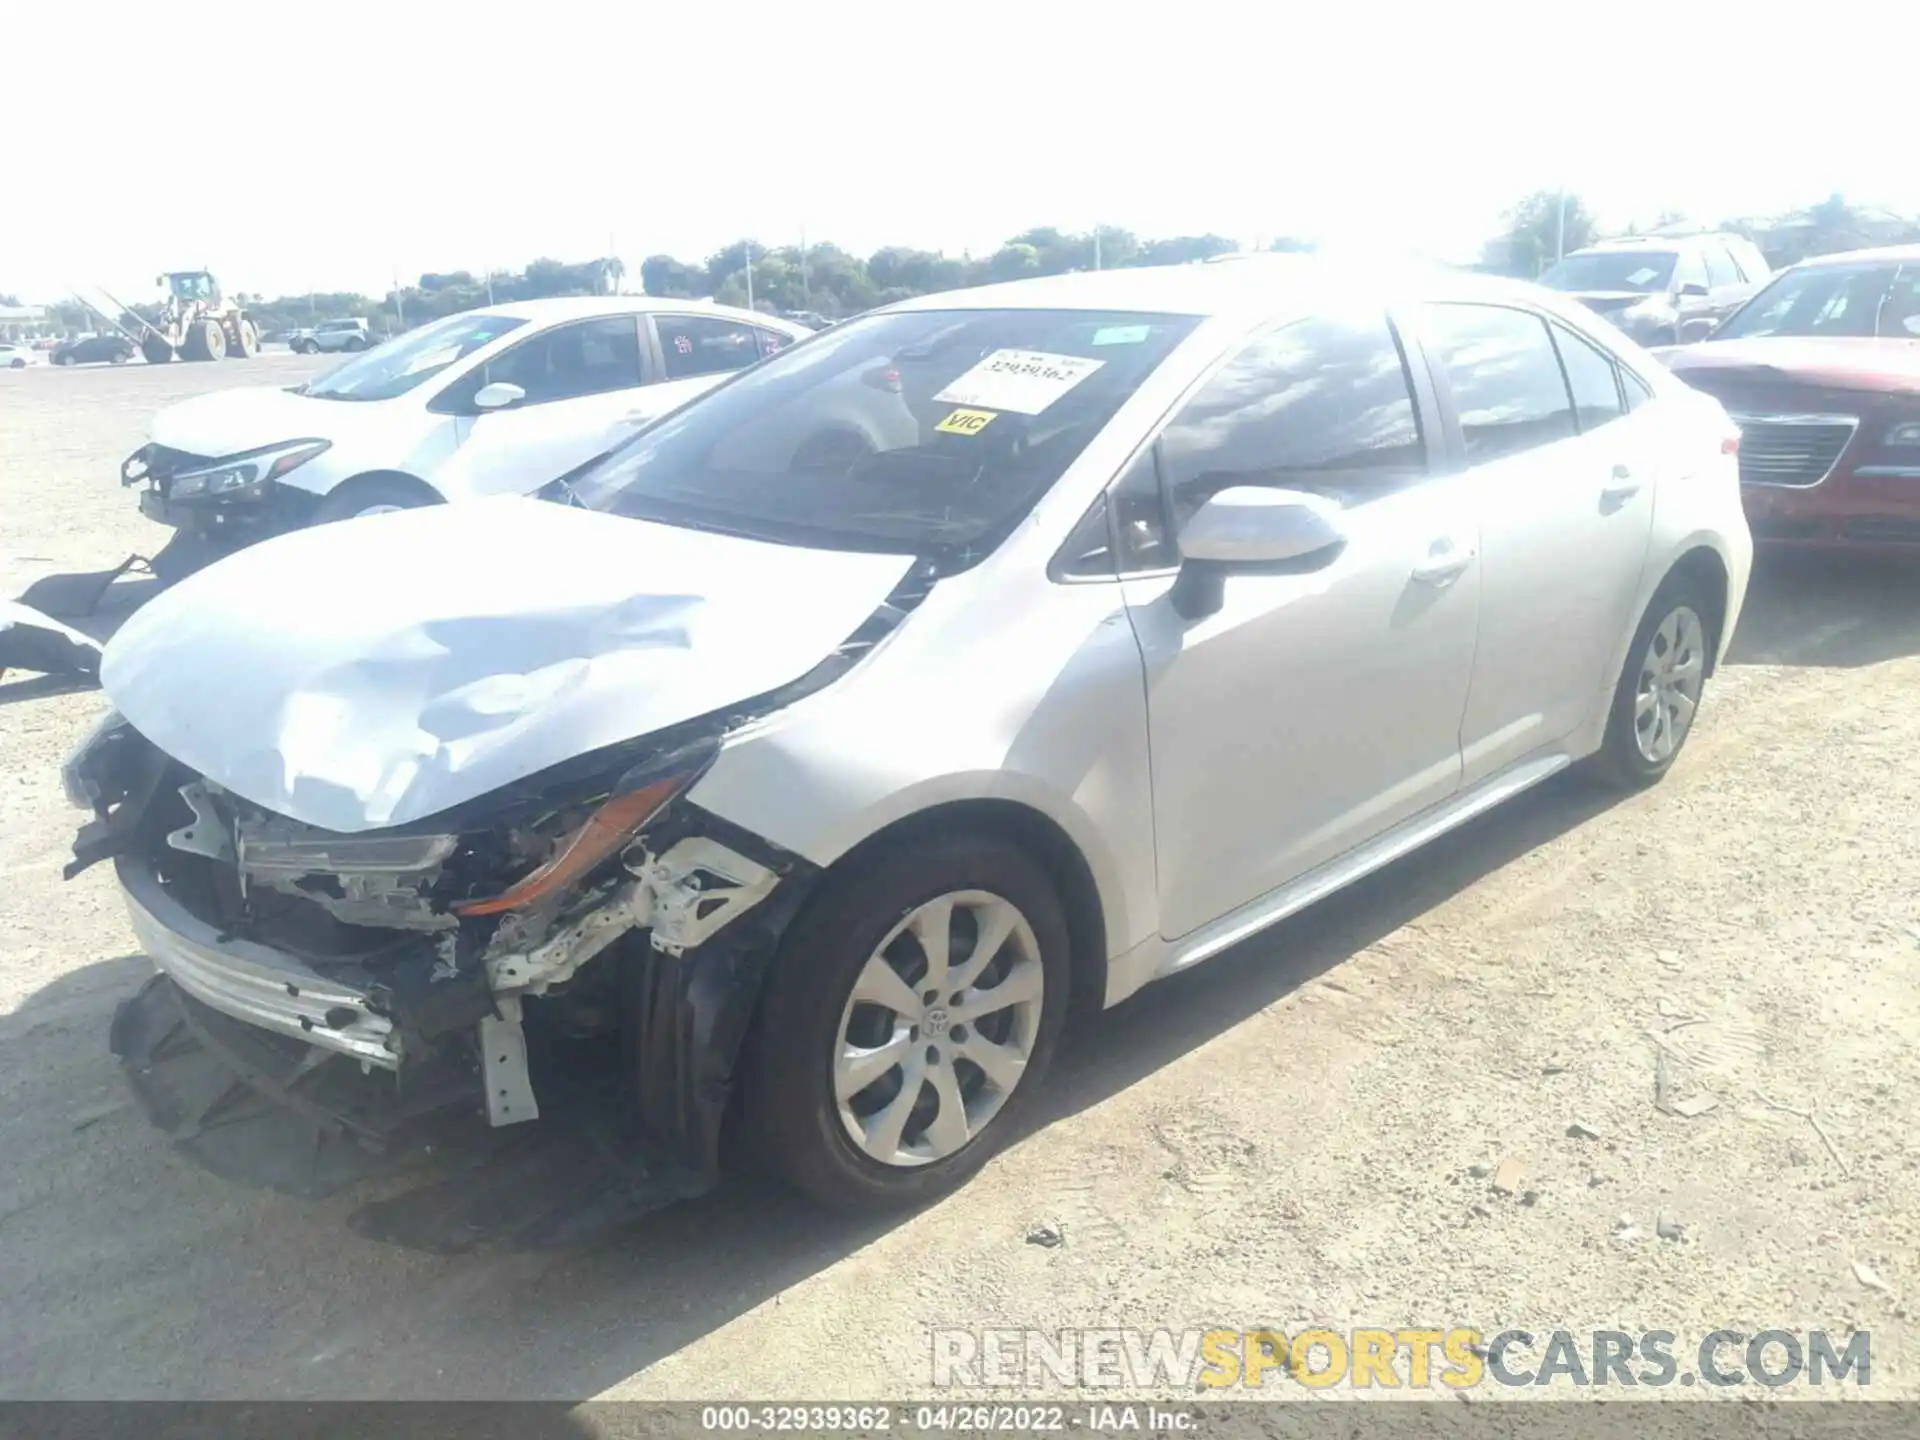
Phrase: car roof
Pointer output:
(1852, 257)
(582, 307)
(1249, 286)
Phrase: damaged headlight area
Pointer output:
(244, 475)
(411, 950)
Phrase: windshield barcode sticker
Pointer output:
(1023, 381)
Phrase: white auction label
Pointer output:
(1023, 381)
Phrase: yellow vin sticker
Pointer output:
(965, 422)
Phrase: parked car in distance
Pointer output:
(1660, 290)
(819, 774)
(94, 349)
(18, 357)
(1821, 371)
(340, 335)
(498, 401)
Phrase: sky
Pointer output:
(340, 144)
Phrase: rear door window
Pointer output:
(1593, 379)
(1505, 376)
(1721, 270)
(693, 345)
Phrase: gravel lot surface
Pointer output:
(1305, 1131)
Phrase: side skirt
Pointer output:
(1156, 958)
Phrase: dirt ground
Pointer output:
(1305, 1131)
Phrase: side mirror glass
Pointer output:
(498, 396)
(1252, 528)
(1692, 287)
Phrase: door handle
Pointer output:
(1443, 565)
(1621, 487)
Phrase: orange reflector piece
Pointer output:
(607, 831)
(1730, 445)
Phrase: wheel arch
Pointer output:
(1703, 563)
(366, 479)
(1047, 842)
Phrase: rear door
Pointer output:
(582, 380)
(1563, 482)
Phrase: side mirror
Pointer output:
(498, 396)
(1252, 528)
(1692, 288)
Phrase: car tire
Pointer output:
(1646, 727)
(356, 343)
(867, 915)
(17, 364)
(373, 495)
(63, 359)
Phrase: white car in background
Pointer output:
(498, 401)
(18, 357)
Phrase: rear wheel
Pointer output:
(247, 341)
(910, 1019)
(205, 341)
(1659, 692)
(356, 343)
(17, 363)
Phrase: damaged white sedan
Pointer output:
(990, 652)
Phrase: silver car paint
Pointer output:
(1006, 685)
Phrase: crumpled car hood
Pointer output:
(378, 671)
(227, 422)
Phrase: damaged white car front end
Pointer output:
(450, 792)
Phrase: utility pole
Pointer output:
(489, 286)
(806, 293)
(1096, 247)
(399, 303)
(1560, 230)
(747, 250)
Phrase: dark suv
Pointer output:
(1663, 290)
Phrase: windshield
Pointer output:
(1646, 271)
(400, 364)
(1857, 300)
(930, 432)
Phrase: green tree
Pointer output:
(1538, 231)
(1181, 249)
(663, 275)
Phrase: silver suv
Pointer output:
(1663, 290)
(331, 335)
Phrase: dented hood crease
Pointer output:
(379, 671)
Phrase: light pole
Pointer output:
(1560, 230)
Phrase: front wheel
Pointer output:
(911, 1016)
(1659, 692)
(374, 495)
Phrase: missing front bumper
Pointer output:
(253, 1108)
(254, 983)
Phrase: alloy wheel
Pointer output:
(938, 1029)
(1668, 692)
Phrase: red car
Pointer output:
(1821, 371)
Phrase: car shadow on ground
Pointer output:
(605, 1312)
(1829, 610)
